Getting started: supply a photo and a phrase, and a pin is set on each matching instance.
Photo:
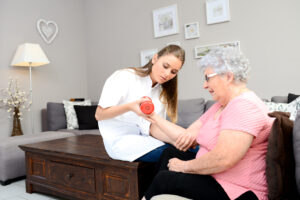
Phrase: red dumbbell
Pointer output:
(147, 107)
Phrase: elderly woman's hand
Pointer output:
(176, 165)
(185, 141)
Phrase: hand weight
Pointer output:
(147, 107)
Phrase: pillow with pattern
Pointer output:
(72, 122)
(292, 107)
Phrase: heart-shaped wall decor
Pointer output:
(47, 29)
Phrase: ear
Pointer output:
(230, 77)
(154, 58)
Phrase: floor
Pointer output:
(16, 191)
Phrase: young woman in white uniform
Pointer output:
(126, 134)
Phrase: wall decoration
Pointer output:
(47, 29)
(217, 11)
(191, 30)
(165, 21)
(175, 42)
(146, 55)
(201, 51)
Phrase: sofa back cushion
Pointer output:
(189, 111)
(56, 117)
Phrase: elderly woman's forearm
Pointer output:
(170, 129)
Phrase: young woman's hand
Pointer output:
(185, 141)
(135, 107)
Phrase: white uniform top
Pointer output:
(126, 137)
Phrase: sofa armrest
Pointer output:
(44, 120)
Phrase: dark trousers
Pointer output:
(191, 186)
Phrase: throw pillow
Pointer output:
(292, 107)
(292, 97)
(56, 117)
(86, 117)
(71, 117)
(280, 163)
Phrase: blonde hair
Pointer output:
(169, 91)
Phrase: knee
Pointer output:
(169, 152)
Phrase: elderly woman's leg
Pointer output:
(186, 185)
(172, 152)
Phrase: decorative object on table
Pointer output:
(202, 50)
(146, 55)
(217, 11)
(191, 30)
(15, 100)
(47, 29)
(30, 55)
(77, 99)
(165, 21)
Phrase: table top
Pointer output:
(83, 147)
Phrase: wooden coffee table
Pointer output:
(79, 168)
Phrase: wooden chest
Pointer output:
(79, 168)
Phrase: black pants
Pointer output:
(187, 185)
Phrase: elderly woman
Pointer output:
(232, 134)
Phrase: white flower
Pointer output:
(12, 97)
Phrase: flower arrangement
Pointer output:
(14, 99)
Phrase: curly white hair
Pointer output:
(227, 59)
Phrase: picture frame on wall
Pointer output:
(217, 11)
(191, 30)
(202, 50)
(175, 43)
(146, 55)
(165, 21)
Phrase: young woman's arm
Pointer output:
(113, 111)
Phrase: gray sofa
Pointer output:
(12, 158)
(12, 162)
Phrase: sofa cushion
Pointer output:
(189, 111)
(292, 97)
(296, 144)
(284, 107)
(279, 99)
(280, 163)
(86, 117)
(71, 117)
(56, 117)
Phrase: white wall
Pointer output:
(268, 30)
(65, 77)
(97, 37)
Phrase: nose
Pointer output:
(205, 85)
(167, 73)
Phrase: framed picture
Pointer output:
(217, 11)
(201, 51)
(175, 42)
(165, 21)
(146, 55)
(191, 30)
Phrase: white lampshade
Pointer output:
(29, 55)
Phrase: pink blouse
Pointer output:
(249, 114)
